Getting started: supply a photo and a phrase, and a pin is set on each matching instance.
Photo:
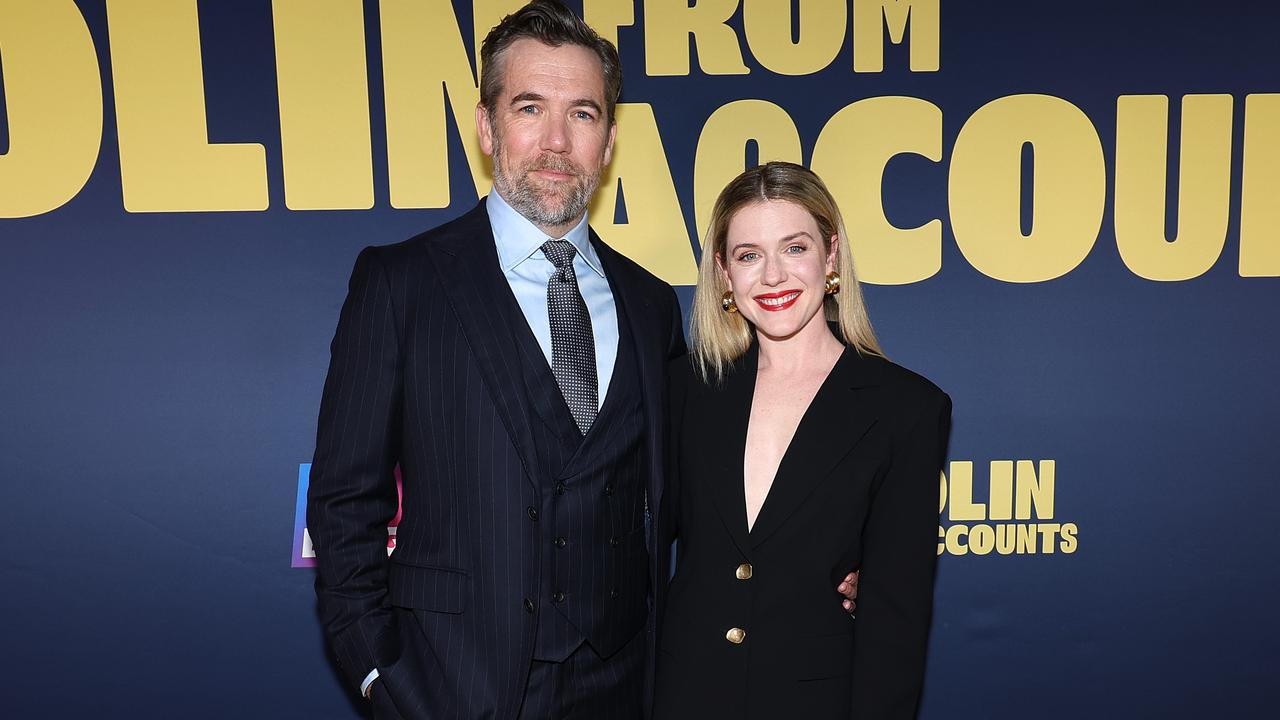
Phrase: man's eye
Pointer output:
(584, 115)
(529, 109)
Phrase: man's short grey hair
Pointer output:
(551, 23)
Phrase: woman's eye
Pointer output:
(747, 257)
(796, 249)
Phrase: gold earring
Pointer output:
(832, 285)
(727, 304)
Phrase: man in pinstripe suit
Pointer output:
(513, 365)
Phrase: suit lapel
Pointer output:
(649, 343)
(833, 424)
(468, 269)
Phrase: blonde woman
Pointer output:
(799, 451)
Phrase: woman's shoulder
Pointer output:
(681, 367)
(906, 388)
(684, 378)
(685, 375)
(681, 376)
(681, 371)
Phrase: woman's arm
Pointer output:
(899, 555)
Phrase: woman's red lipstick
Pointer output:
(774, 306)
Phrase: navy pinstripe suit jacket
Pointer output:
(423, 373)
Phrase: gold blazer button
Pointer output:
(743, 572)
(736, 635)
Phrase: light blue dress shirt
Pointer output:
(528, 271)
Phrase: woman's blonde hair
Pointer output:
(719, 338)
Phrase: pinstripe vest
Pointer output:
(593, 578)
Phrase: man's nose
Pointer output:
(555, 135)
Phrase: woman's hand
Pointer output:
(849, 589)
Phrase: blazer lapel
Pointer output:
(831, 427)
(730, 413)
(467, 265)
(650, 344)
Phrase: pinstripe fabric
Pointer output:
(588, 687)
(425, 373)
(591, 516)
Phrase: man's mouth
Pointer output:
(556, 175)
(554, 170)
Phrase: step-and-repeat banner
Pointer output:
(1067, 215)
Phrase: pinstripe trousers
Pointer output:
(584, 686)
(587, 687)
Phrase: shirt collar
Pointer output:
(518, 239)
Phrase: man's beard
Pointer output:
(549, 204)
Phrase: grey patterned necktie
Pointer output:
(573, 347)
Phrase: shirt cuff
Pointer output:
(368, 682)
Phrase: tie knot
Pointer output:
(560, 253)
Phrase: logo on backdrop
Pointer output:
(1028, 144)
(304, 553)
(1017, 517)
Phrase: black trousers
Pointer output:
(586, 686)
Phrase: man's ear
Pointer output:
(484, 129)
(608, 146)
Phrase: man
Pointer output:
(513, 366)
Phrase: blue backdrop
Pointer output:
(160, 374)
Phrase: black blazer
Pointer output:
(858, 487)
(424, 373)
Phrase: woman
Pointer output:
(799, 451)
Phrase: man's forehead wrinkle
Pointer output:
(567, 70)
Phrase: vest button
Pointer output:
(560, 488)
(529, 606)
(613, 594)
(561, 542)
(743, 572)
(533, 513)
(736, 635)
(558, 597)
(608, 488)
(614, 542)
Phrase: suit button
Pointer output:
(614, 542)
(613, 594)
(560, 542)
(529, 606)
(608, 488)
(533, 513)
(560, 488)
(736, 635)
(558, 597)
(743, 572)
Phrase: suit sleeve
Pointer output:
(676, 393)
(675, 402)
(352, 493)
(895, 593)
(676, 346)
